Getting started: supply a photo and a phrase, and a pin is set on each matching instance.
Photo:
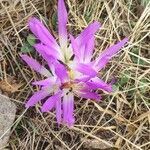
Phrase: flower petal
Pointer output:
(89, 31)
(45, 82)
(37, 97)
(89, 49)
(65, 108)
(89, 95)
(41, 32)
(86, 69)
(41, 52)
(58, 111)
(48, 50)
(97, 83)
(71, 118)
(83, 78)
(74, 46)
(62, 22)
(51, 102)
(103, 59)
(68, 108)
(49, 59)
(61, 71)
(35, 65)
(85, 41)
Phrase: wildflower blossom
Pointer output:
(73, 72)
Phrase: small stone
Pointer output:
(94, 144)
(7, 116)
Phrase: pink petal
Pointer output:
(68, 108)
(83, 78)
(35, 65)
(41, 52)
(48, 50)
(61, 71)
(97, 83)
(89, 49)
(85, 41)
(62, 22)
(86, 70)
(65, 108)
(45, 82)
(107, 54)
(74, 46)
(37, 97)
(48, 58)
(41, 32)
(51, 102)
(58, 111)
(89, 95)
(88, 31)
(71, 118)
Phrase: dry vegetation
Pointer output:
(121, 121)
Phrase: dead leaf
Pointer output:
(9, 85)
(103, 110)
(93, 144)
(118, 142)
(142, 116)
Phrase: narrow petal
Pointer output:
(65, 108)
(88, 32)
(68, 108)
(89, 49)
(103, 59)
(41, 32)
(36, 66)
(97, 83)
(37, 97)
(85, 42)
(89, 95)
(62, 22)
(45, 82)
(86, 70)
(48, 50)
(49, 59)
(75, 48)
(61, 71)
(41, 52)
(83, 78)
(58, 111)
(51, 102)
(71, 118)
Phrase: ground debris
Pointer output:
(9, 85)
(7, 116)
(93, 144)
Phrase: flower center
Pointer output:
(67, 85)
(71, 84)
(71, 74)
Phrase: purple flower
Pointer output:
(73, 72)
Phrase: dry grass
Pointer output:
(122, 119)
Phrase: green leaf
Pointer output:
(88, 14)
(143, 83)
(26, 48)
(54, 21)
(135, 59)
(115, 88)
(138, 60)
(124, 80)
(31, 39)
(145, 2)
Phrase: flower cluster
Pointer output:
(73, 70)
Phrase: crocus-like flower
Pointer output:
(73, 70)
